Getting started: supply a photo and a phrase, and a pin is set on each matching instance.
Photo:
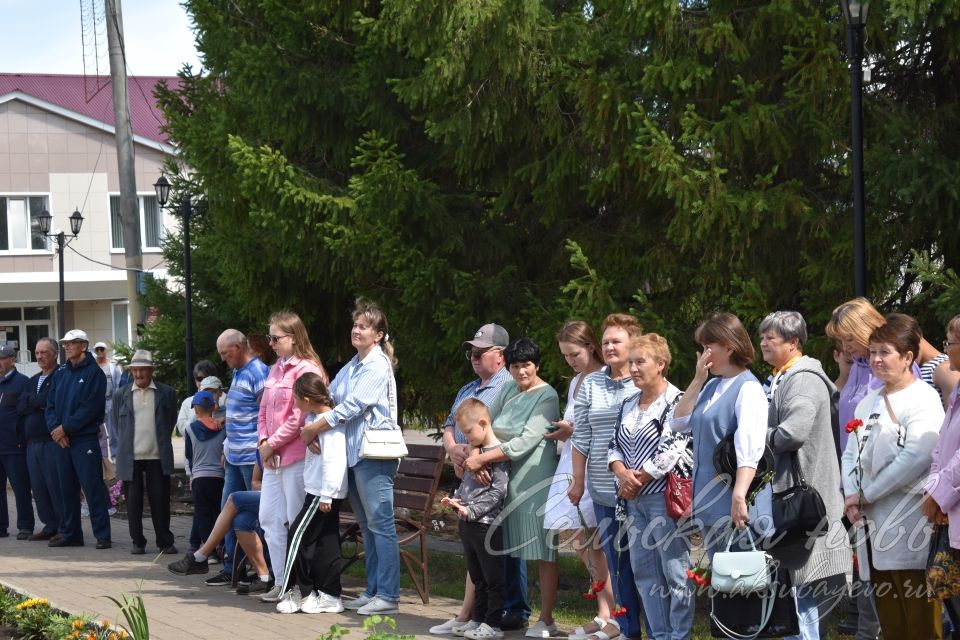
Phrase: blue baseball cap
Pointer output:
(204, 399)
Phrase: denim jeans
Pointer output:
(237, 477)
(515, 588)
(621, 574)
(371, 495)
(808, 616)
(660, 559)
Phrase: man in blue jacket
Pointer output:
(13, 446)
(75, 409)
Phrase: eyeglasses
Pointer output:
(947, 344)
(475, 354)
(99, 349)
(274, 339)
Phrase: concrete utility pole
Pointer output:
(129, 205)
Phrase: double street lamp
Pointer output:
(44, 221)
(855, 14)
(162, 187)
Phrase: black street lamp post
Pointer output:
(44, 220)
(855, 14)
(162, 187)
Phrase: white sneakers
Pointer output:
(461, 629)
(379, 606)
(445, 628)
(483, 632)
(290, 602)
(320, 602)
(316, 602)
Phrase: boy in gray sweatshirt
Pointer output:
(478, 507)
(203, 448)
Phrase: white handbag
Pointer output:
(382, 444)
(740, 572)
(743, 573)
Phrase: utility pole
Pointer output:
(129, 205)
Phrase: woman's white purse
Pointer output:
(382, 444)
(741, 572)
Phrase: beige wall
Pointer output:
(96, 318)
(75, 164)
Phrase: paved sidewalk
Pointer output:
(76, 579)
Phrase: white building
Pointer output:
(57, 153)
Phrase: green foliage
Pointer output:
(530, 162)
(135, 613)
(382, 628)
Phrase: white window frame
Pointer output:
(26, 195)
(143, 233)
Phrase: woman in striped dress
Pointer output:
(641, 454)
(595, 415)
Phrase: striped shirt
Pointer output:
(927, 369)
(365, 394)
(643, 441)
(485, 394)
(595, 414)
(243, 410)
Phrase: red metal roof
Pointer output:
(67, 91)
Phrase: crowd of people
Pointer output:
(272, 460)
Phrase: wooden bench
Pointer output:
(414, 490)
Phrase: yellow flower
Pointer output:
(105, 623)
(78, 623)
(31, 603)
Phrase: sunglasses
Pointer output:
(275, 339)
(475, 354)
(200, 378)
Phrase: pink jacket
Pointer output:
(280, 421)
(943, 483)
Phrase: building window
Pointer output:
(121, 325)
(151, 223)
(19, 228)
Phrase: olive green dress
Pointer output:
(520, 421)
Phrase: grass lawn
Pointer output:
(572, 610)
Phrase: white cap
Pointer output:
(75, 334)
(99, 344)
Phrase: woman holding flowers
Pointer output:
(885, 464)
(642, 454)
(732, 403)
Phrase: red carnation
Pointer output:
(853, 425)
(590, 596)
(619, 612)
(598, 586)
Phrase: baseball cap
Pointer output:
(75, 334)
(203, 399)
(489, 335)
(100, 345)
(211, 382)
(6, 351)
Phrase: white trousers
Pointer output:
(281, 498)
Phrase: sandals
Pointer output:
(609, 629)
(579, 632)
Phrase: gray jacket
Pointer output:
(484, 503)
(165, 415)
(800, 423)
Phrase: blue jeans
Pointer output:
(515, 588)
(80, 467)
(45, 484)
(237, 477)
(621, 573)
(14, 467)
(371, 495)
(248, 510)
(660, 558)
(808, 617)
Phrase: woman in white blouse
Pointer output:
(642, 453)
(731, 403)
(885, 464)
